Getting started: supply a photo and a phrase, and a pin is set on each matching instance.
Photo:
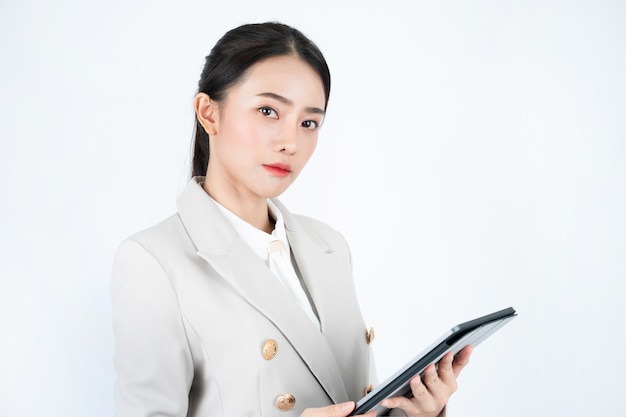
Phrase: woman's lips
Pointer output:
(280, 170)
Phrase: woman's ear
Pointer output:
(206, 112)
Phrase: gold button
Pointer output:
(369, 335)
(285, 402)
(270, 348)
(368, 389)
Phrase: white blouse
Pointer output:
(274, 250)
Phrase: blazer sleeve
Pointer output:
(152, 356)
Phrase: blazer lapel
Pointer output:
(318, 264)
(328, 278)
(219, 245)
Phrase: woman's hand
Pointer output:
(431, 396)
(335, 410)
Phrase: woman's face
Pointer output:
(266, 129)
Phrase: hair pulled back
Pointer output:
(235, 53)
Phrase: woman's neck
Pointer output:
(252, 210)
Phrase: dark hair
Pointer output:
(235, 53)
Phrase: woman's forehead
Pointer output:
(286, 76)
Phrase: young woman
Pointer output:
(234, 306)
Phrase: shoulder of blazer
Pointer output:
(167, 242)
(167, 234)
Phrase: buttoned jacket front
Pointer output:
(194, 307)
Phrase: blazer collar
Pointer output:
(218, 244)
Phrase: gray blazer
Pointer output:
(202, 327)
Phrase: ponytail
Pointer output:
(200, 151)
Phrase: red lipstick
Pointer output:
(278, 169)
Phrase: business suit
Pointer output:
(195, 310)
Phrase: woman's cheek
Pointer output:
(310, 145)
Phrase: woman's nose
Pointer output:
(288, 142)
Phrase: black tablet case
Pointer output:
(469, 333)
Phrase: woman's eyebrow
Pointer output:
(288, 102)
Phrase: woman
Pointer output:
(234, 306)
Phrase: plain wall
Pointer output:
(474, 157)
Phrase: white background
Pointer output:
(474, 157)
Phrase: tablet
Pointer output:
(469, 333)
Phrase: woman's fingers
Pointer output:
(335, 410)
(423, 401)
(461, 359)
(439, 386)
(432, 391)
(420, 389)
(446, 372)
(400, 402)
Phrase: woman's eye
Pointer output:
(310, 124)
(268, 112)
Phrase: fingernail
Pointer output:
(347, 406)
